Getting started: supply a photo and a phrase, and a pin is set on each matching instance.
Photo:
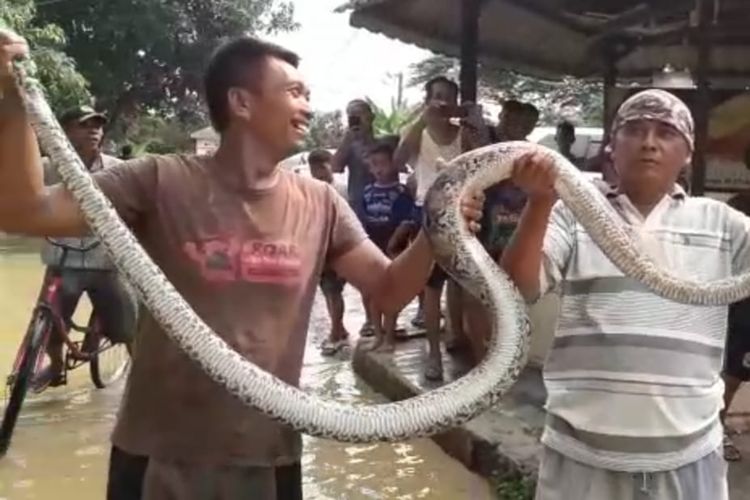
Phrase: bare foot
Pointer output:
(433, 369)
(375, 345)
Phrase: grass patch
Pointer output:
(513, 488)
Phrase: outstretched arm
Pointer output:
(26, 205)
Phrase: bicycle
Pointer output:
(94, 349)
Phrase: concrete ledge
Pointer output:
(497, 443)
(504, 441)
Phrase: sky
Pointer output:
(342, 63)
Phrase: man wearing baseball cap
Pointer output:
(633, 379)
(82, 271)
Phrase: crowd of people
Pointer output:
(652, 129)
(633, 380)
(391, 212)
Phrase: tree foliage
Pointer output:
(56, 70)
(326, 131)
(580, 101)
(152, 133)
(391, 121)
(150, 54)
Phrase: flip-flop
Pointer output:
(330, 347)
(433, 370)
(45, 379)
(367, 330)
(731, 452)
(418, 320)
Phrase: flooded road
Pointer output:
(61, 445)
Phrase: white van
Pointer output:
(587, 145)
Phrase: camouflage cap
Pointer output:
(657, 105)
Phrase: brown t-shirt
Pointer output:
(248, 262)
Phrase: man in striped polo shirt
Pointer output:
(633, 380)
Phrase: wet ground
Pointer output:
(61, 445)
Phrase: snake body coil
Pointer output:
(457, 250)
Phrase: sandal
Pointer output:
(331, 347)
(367, 330)
(418, 320)
(47, 378)
(433, 370)
(731, 452)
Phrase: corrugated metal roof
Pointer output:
(550, 38)
(205, 134)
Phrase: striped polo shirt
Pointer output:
(633, 379)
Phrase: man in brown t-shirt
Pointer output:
(245, 243)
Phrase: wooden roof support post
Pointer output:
(703, 97)
(610, 81)
(470, 10)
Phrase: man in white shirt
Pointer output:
(633, 379)
(442, 132)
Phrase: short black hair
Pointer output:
(237, 63)
(383, 145)
(512, 106)
(392, 139)
(361, 102)
(430, 85)
(319, 157)
(531, 110)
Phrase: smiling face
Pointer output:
(275, 109)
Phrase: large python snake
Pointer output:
(456, 249)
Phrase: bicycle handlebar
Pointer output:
(65, 246)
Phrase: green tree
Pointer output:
(326, 131)
(150, 54)
(64, 85)
(152, 133)
(569, 98)
(392, 120)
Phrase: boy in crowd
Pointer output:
(331, 284)
(387, 210)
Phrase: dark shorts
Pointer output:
(437, 278)
(114, 307)
(418, 216)
(330, 283)
(737, 362)
(131, 477)
(381, 236)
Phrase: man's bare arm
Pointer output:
(341, 156)
(409, 145)
(522, 258)
(392, 284)
(26, 205)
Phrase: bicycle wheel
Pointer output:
(109, 361)
(30, 354)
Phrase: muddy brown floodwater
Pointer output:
(61, 444)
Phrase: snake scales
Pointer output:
(460, 253)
